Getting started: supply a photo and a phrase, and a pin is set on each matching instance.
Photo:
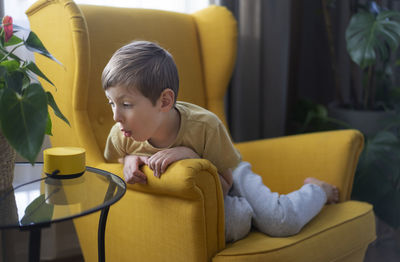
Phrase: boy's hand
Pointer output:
(226, 179)
(132, 173)
(161, 160)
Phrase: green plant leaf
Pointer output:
(378, 168)
(10, 65)
(14, 40)
(3, 71)
(49, 126)
(14, 80)
(35, 69)
(57, 112)
(366, 35)
(388, 208)
(38, 211)
(359, 38)
(34, 44)
(6, 53)
(23, 119)
(2, 38)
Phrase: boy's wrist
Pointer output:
(225, 186)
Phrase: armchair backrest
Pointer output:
(84, 37)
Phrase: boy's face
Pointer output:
(137, 116)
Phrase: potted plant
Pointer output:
(24, 116)
(372, 37)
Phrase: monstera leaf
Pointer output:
(369, 35)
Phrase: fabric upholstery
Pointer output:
(180, 217)
(325, 238)
(331, 154)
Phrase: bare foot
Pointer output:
(332, 192)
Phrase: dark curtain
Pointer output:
(256, 100)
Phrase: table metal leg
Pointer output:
(34, 244)
(100, 235)
(102, 223)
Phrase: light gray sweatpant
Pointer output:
(250, 202)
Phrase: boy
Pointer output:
(141, 83)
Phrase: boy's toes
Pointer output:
(333, 195)
(332, 192)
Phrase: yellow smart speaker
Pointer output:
(64, 162)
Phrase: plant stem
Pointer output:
(373, 87)
(368, 88)
(9, 53)
(355, 86)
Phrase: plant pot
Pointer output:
(7, 161)
(369, 122)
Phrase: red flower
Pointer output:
(8, 27)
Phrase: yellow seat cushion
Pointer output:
(343, 224)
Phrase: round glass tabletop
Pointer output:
(38, 200)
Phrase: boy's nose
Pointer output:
(117, 116)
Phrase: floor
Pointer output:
(70, 259)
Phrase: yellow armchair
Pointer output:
(180, 217)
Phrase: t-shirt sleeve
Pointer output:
(114, 146)
(220, 150)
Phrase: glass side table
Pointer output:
(36, 201)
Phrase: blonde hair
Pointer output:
(145, 66)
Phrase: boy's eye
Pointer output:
(127, 105)
(111, 103)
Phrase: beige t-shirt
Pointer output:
(200, 130)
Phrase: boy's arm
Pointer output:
(226, 179)
(132, 172)
(162, 159)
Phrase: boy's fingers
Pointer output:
(132, 177)
(139, 174)
(165, 164)
(156, 171)
(144, 160)
(129, 179)
(136, 179)
(160, 165)
(141, 180)
(153, 164)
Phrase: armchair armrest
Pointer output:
(285, 162)
(180, 179)
(189, 188)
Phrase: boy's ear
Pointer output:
(167, 99)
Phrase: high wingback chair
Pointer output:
(180, 217)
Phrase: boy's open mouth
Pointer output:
(126, 133)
